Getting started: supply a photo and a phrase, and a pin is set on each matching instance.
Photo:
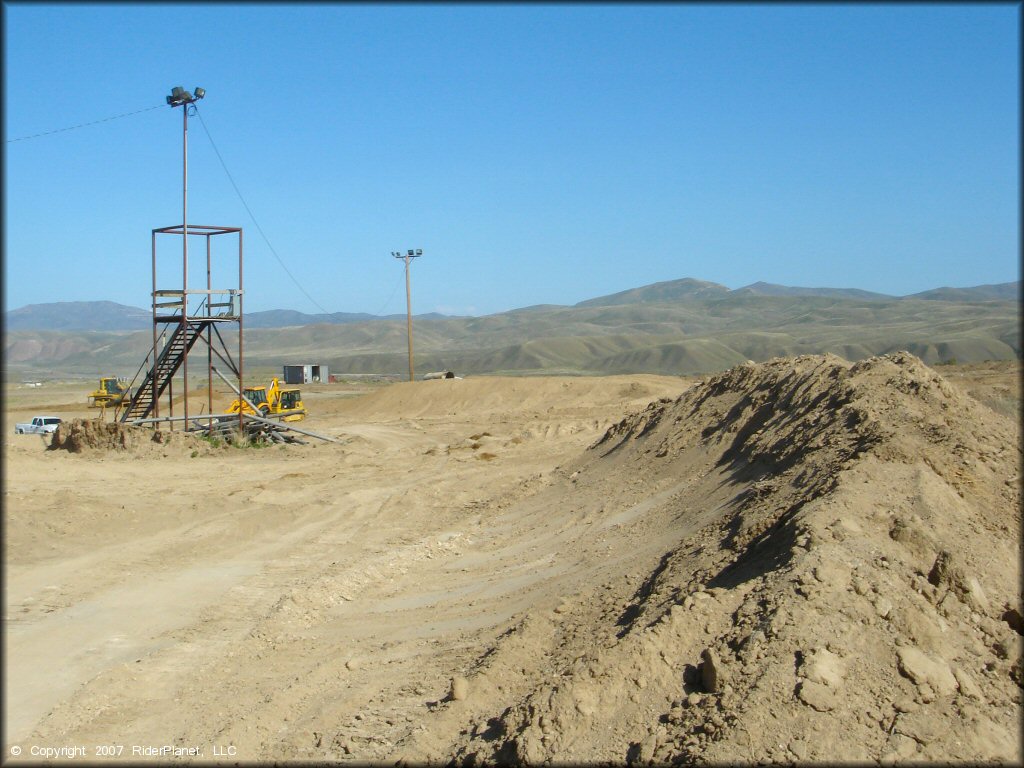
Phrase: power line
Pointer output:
(398, 284)
(258, 227)
(84, 125)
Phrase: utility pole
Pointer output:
(412, 253)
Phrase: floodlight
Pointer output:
(419, 252)
(411, 253)
(200, 92)
(177, 92)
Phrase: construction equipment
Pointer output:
(275, 400)
(111, 393)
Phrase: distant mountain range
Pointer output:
(110, 316)
(77, 316)
(679, 327)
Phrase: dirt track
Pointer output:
(134, 574)
(463, 578)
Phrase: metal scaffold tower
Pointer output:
(183, 315)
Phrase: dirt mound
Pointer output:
(839, 578)
(484, 395)
(92, 435)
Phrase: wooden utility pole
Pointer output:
(412, 253)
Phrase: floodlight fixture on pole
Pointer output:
(181, 98)
(411, 253)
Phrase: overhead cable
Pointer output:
(83, 125)
(258, 227)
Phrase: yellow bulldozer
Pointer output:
(111, 393)
(274, 400)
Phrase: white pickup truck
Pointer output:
(40, 425)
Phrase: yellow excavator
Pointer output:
(112, 392)
(274, 400)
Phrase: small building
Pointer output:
(306, 374)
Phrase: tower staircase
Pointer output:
(159, 375)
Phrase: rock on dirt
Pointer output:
(924, 670)
(459, 689)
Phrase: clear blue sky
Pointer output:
(536, 153)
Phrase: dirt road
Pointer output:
(238, 597)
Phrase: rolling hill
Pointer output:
(678, 327)
(997, 292)
(110, 316)
(658, 293)
(77, 316)
(770, 289)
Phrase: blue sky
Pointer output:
(536, 153)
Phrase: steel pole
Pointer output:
(209, 333)
(408, 313)
(184, 247)
(156, 400)
(241, 345)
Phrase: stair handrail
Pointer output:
(189, 332)
(199, 309)
(131, 387)
(159, 359)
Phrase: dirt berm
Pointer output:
(831, 573)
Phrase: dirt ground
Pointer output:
(803, 560)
